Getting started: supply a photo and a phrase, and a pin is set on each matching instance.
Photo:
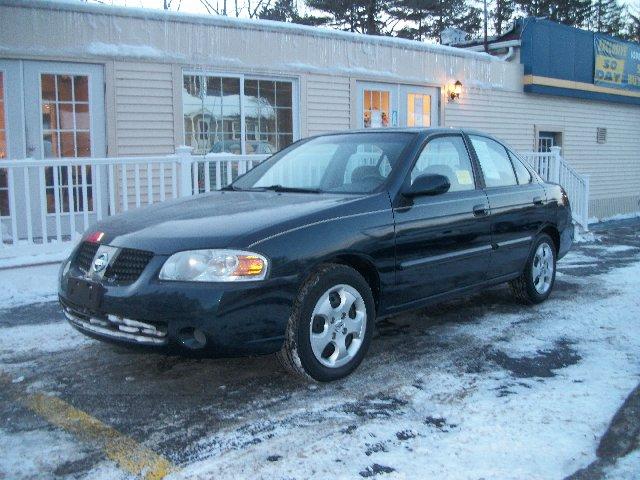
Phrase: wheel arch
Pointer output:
(365, 267)
(553, 232)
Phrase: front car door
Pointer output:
(443, 242)
(517, 205)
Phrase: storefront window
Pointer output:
(418, 110)
(4, 190)
(215, 107)
(66, 134)
(376, 109)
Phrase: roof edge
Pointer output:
(253, 24)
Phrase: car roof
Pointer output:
(423, 130)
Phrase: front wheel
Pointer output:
(536, 282)
(331, 325)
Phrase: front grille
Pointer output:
(128, 266)
(85, 255)
(116, 327)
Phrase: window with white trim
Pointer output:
(66, 133)
(216, 107)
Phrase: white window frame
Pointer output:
(295, 98)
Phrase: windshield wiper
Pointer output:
(282, 188)
(233, 188)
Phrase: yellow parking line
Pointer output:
(126, 452)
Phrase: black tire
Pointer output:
(296, 355)
(524, 287)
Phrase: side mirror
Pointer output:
(430, 184)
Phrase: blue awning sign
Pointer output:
(617, 63)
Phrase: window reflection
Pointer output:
(212, 107)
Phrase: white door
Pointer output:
(377, 105)
(11, 139)
(60, 114)
(419, 106)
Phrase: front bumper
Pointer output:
(233, 319)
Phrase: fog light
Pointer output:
(192, 338)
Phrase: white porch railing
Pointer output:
(553, 168)
(38, 207)
(55, 200)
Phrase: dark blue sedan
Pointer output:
(300, 255)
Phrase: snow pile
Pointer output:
(627, 468)
(620, 216)
(41, 338)
(26, 461)
(21, 286)
(30, 254)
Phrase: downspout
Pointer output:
(507, 56)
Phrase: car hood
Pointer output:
(227, 219)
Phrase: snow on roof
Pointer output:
(229, 105)
(253, 24)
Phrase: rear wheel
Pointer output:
(536, 282)
(331, 325)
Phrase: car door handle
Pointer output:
(481, 210)
(537, 201)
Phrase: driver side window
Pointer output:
(446, 156)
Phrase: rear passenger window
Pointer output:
(523, 174)
(494, 162)
(446, 156)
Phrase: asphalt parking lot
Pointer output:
(478, 387)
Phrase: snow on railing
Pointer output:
(56, 199)
(553, 168)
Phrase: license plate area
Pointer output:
(85, 293)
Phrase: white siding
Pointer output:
(328, 104)
(144, 108)
(614, 166)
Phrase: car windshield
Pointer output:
(347, 163)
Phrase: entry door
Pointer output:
(419, 106)
(61, 115)
(377, 105)
(11, 139)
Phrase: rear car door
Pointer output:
(517, 205)
(443, 242)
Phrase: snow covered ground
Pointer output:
(475, 388)
(23, 286)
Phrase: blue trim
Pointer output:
(568, 92)
(553, 50)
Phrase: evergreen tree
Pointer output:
(502, 14)
(363, 16)
(607, 17)
(280, 11)
(428, 18)
(287, 11)
(633, 27)
(575, 13)
(415, 15)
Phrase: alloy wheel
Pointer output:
(338, 325)
(542, 268)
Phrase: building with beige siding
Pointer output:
(82, 80)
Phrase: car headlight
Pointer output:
(214, 266)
